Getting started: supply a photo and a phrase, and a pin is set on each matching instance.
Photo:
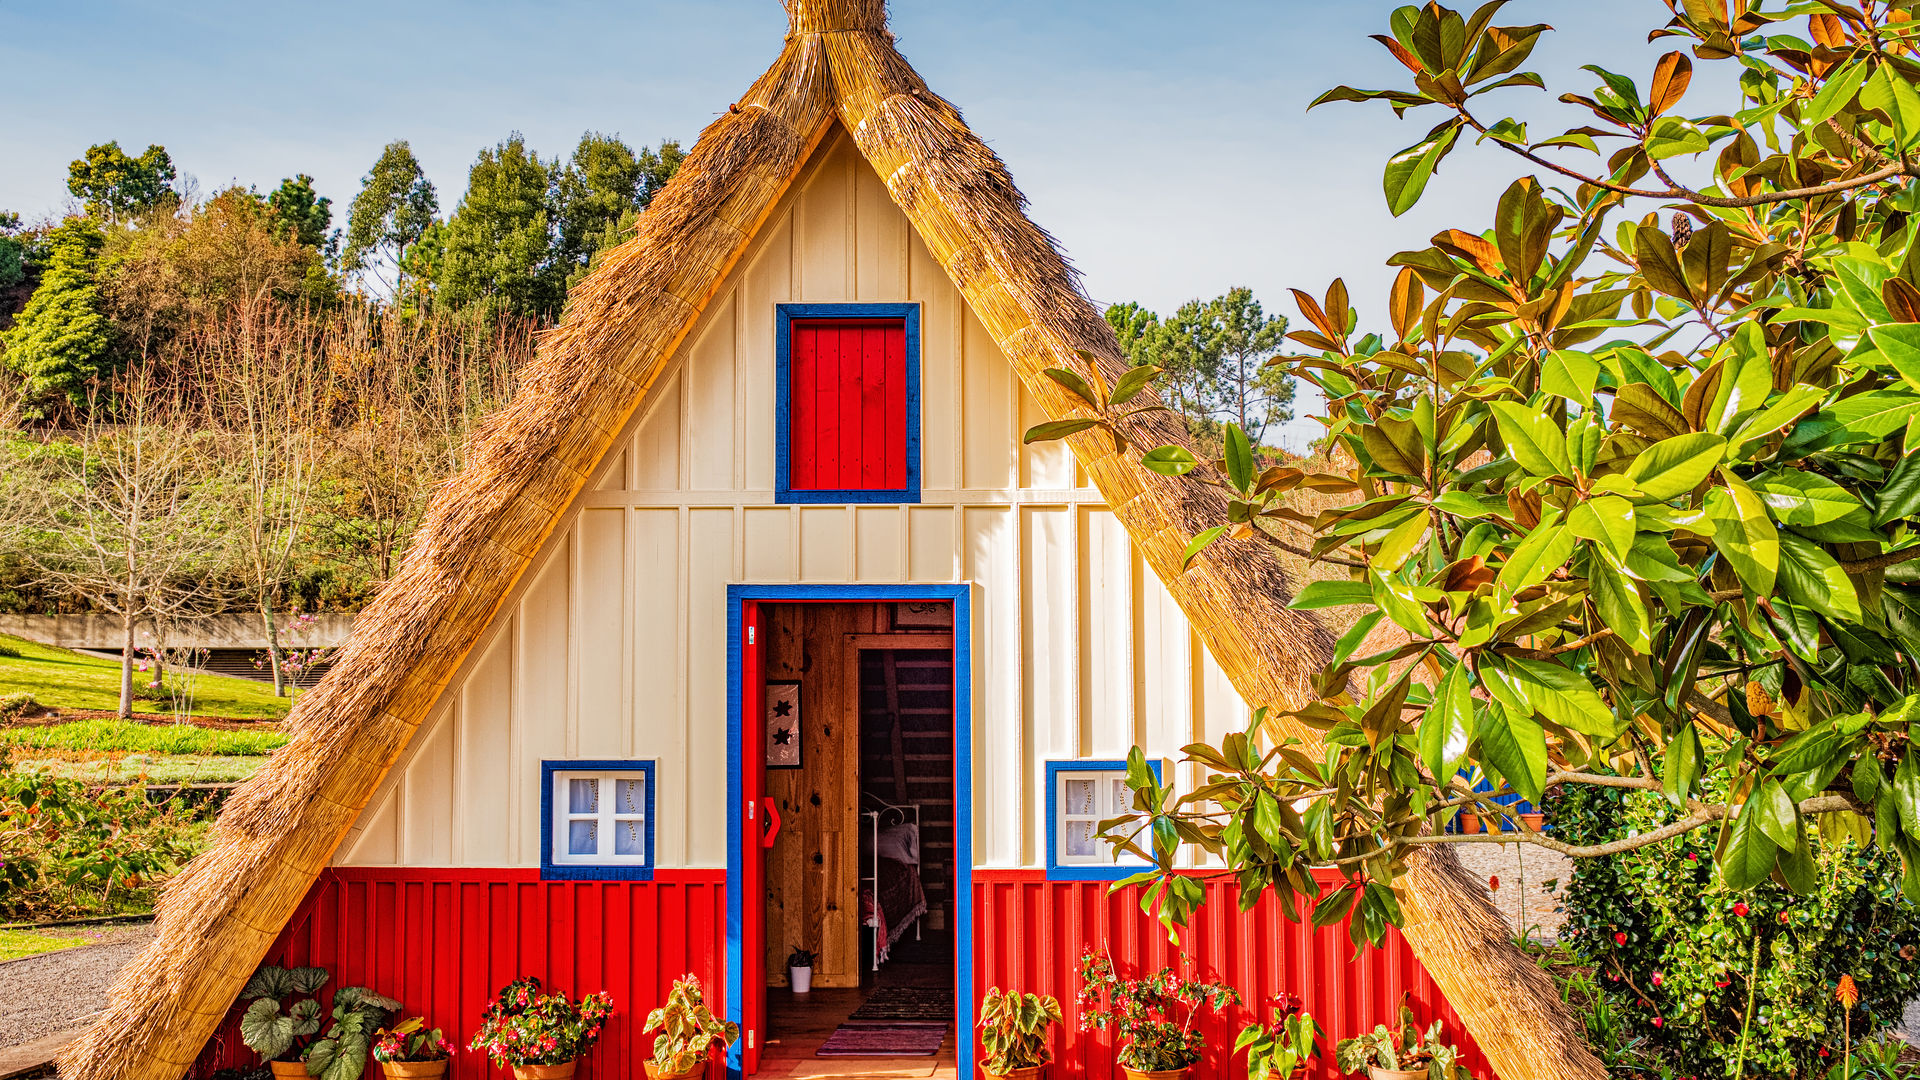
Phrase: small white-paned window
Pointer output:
(599, 818)
(1083, 799)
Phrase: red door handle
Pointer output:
(773, 822)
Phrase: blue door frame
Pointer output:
(961, 597)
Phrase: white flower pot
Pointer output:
(801, 978)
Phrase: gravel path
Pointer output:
(52, 992)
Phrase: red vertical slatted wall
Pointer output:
(847, 402)
(1030, 932)
(444, 940)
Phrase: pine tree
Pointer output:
(63, 337)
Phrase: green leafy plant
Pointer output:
(1407, 1049)
(523, 1026)
(284, 1014)
(1154, 1015)
(71, 849)
(802, 958)
(1691, 971)
(1276, 1050)
(689, 1032)
(341, 1053)
(411, 1040)
(1881, 1058)
(1014, 1030)
(1634, 498)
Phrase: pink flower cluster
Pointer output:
(526, 1027)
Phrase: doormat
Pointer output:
(898, 1040)
(924, 1006)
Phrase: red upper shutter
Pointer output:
(847, 407)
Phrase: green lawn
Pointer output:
(61, 679)
(157, 768)
(127, 736)
(15, 944)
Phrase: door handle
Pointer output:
(773, 822)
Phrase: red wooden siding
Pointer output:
(847, 405)
(443, 941)
(1030, 932)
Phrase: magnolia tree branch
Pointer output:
(1702, 814)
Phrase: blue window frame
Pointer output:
(1081, 793)
(591, 832)
(785, 314)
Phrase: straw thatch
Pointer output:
(529, 464)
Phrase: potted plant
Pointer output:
(1013, 1033)
(800, 969)
(540, 1036)
(1143, 1012)
(1279, 1050)
(689, 1032)
(411, 1051)
(1406, 1054)
(283, 1018)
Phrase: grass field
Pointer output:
(15, 944)
(62, 679)
(129, 737)
(154, 768)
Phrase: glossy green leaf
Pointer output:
(1532, 439)
(1400, 543)
(1516, 745)
(1671, 136)
(1775, 813)
(1447, 728)
(1239, 455)
(1050, 430)
(1326, 594)
(1861, 418)
(1680, 766)
(1748, 855)
(1558, 693)
(1570, 374)
(1606, 520)
(1795, 497)
(1546, 548)
(1899, 345)
(1618, 604)
(1838, 91)
(1899, 497)
(1744, 535)
(1896, 98)
(1811, 577)
(1673, 467)
(1409, 170)
(1169, 460)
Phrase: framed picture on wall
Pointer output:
(783, 725)
(922, 615)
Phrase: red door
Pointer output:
(754, 824)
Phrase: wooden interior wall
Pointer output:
(813, 869)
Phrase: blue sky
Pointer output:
(1165, 143)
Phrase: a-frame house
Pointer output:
(751, 626)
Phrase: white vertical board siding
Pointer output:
(615, 644)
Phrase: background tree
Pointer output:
(500, 240)
(395, 206)
(600, 193)
(121, 518)
(116, 187)
(1247, 389)
(303, 214)
(62, 338)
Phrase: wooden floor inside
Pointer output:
(799, 1023)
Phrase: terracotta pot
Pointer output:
(659, 1072)
(1469, 823)
(1396, 1074)
(1536, 822)
(288, 1070)
(545, 1072)
(415, 1070)
(1163, 1074)
(1032, 1073)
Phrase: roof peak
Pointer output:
(825, 16)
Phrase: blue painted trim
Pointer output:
(549, 871)
(1057, 872)
(961, 596)
(783, 436)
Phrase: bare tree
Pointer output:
(120, 516)
(265, 394)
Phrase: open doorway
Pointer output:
(858, 705)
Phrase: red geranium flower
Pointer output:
(1740, 908)
(1620, 937)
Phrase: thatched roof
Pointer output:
(531, 461)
